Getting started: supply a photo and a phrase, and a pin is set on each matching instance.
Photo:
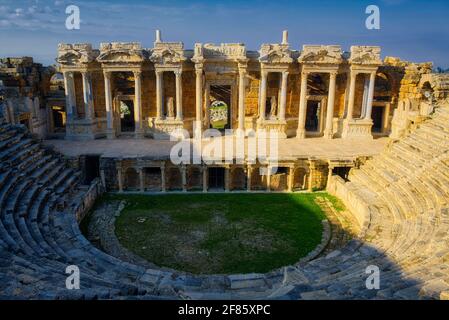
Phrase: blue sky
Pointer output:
(415, 30)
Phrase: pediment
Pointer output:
(120, 56)
(275, 54)
(321, 55)
(365, 55)
(167, 56)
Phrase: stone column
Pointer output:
(386, 117)
(205, 184)
(369, 102)
(120, 179)
(141, 179)
(227, 177)
(351, 97)
(283, 101)
(108, 101)
(249, 171)
(70, 101)
(138, 104)
(178, 75)
(199, 97)
(87, 96)
(263, 95)
(159, 94)
(301, 132)
(241, 110)
(103, 178)
(328, 131)
(184, 178)
(268, 178)
(163, 185)
(311, 172)
(207, 106)
(329, 174)
(291, 176)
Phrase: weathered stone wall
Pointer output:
(148, 94)
(78, 79)
(252, 95)
(188, 94)
(293, 93)
(238, 179)
(99, 94)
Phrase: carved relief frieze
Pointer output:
(321, 55)
(365, 55)
(76, 54)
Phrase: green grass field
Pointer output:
(220, 233)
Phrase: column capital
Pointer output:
(107, 74)
(199, 67)
(264, 73)
(178, 72)
(68, 73)
(84, 72)
(158, 72)
(305, 74)
(333, 74)
(285, 73)
(137, 73)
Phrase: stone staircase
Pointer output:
(399, 199)
(39, 234)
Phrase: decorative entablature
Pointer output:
(121, 55)
(275, 55)
(365, 58)
(168, 55)
(316, 58)
(233, 52)
(76, 56)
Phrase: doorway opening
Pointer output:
(220, 111)
(377, 116)
(313, 116)
(216, 178)
(59, 119)
(91, 168)
(127, 123)
(342, 172)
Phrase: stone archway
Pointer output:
(152, 179)
(258, 181)
(279, 179)
(194, 178)
(238, 179)
(132, 181)
(300, 179)
(174, 179)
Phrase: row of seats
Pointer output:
(404, 191)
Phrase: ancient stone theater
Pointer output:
(371, 131)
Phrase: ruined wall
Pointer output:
(148, 94)
(293, 93)
(78, 79)
(340, 95)
(99, 94)
(188, 94)
(252, 94)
